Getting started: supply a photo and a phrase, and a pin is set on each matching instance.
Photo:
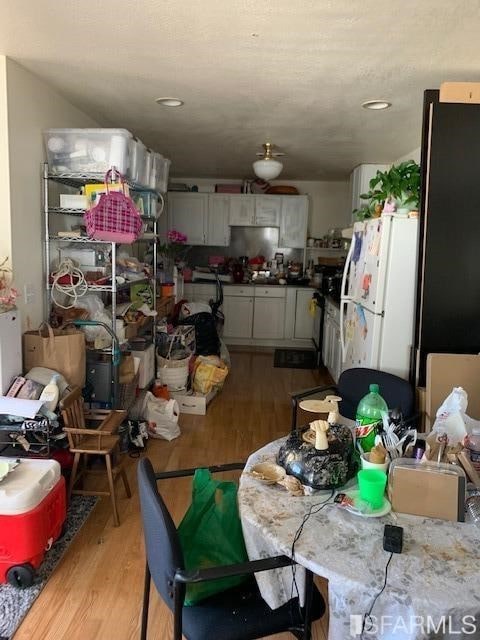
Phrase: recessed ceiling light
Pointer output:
(376, 105)
(169, 102)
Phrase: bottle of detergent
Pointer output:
(51, 393)
(369, 413)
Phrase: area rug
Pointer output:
(15, 603)
(295, 359)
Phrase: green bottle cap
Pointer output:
(374, 388)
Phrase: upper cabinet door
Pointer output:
(293, 222)
(187, 213)
(242, 211)
(218, 231)
(267, 211)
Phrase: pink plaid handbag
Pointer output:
(114, 218)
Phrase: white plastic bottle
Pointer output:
(50, 394)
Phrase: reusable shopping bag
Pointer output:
(211, 534)
(114, 218)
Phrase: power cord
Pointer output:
(76, 288)
(313, 510)
(367, 615)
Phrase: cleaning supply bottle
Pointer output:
(51, 393)
(369, 413)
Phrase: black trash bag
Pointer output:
(206, 336)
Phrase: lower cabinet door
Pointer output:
(269, 318)
(303, 319)
(238, 312)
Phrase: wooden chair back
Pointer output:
(73, 416)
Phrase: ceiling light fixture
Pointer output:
(268, 168)
(169, 102)
(376, 105)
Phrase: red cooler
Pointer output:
(32, 513)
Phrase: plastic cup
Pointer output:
(372, 486)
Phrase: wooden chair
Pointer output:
(99, 441)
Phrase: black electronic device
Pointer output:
(393, 538)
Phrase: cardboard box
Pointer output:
(193, 403)
(446, 371)
(427, 490)
(146, 370)
(164, 306)
(460, 92)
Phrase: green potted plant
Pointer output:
(398, 187)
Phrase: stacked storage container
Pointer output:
(95, 151)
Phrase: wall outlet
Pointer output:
(29, 293)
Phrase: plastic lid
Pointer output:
(374, 388)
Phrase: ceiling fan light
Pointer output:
(267, 169)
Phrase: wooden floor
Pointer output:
(95, 593)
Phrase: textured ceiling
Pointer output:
(294, 72)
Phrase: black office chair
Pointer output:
(353, 384)
(236, 614)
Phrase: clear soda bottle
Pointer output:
(369, 413)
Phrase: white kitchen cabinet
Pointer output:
(267, 211)
(218, 229)
(187, 213)
(360, 181)
(269, 313)
(303, 319)
(331, 347)
(238, 312)
(242, 211)
(293, 222)
(269, 318)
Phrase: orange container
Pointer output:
(167, 290)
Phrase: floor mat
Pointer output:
(15, 603)
(295, 359)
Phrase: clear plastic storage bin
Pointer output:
(144, 179)
(162, 171)
(145, 202)
(137, 153)
(87, 150)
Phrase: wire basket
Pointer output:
(127, 393)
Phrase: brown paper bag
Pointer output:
(60, 349)
(126, 373)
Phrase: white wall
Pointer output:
(330, 202)
(32, 107)
(5, 227)
(413, 155)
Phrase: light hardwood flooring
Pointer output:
(95, 592)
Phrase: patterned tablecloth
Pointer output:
(433, 587)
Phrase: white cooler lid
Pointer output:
(27, 485)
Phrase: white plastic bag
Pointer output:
(452, 418)
(162, 417)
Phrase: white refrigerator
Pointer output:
(377, 308)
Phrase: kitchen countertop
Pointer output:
(265, 283)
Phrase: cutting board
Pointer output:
(448, 370)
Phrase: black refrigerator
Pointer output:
(448, 292)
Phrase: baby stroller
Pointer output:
(208, 325)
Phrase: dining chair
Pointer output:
(100, 441)
(354, 383)
(236, 614)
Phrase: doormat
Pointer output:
(295, 359)
(14, 602)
